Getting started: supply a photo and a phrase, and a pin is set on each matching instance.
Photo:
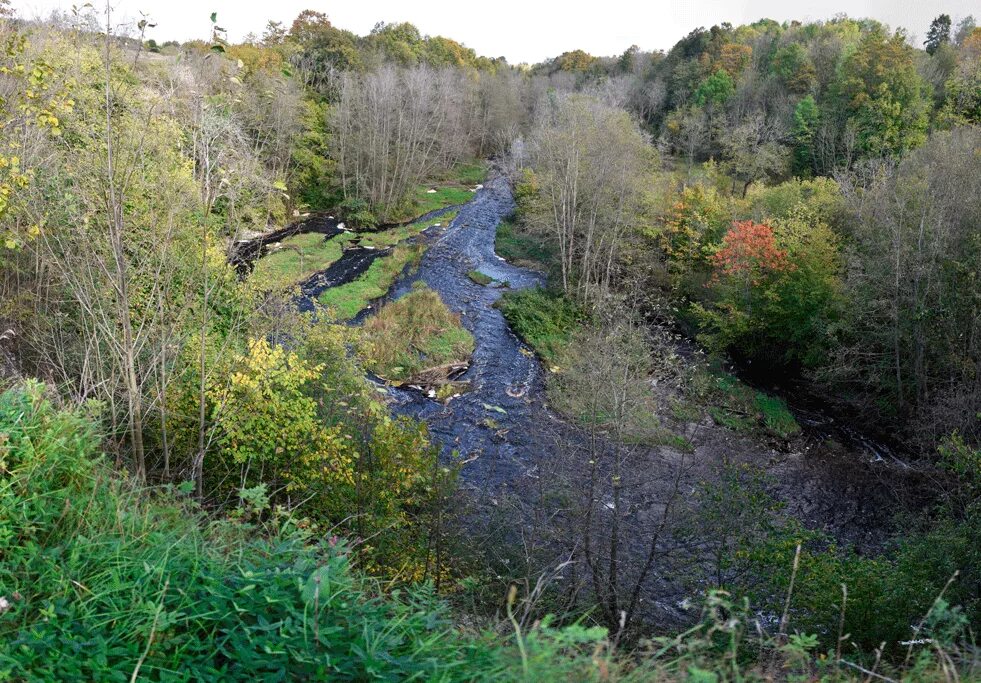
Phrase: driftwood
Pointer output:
(436, 376)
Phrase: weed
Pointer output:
(412, 334)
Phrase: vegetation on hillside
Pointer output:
(104, 579)
(207, 486)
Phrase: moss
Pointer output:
(735, 405)
(425, 201)
(480, 278)
(387, 238)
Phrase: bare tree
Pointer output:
(627, 513)
(393, 128)
(591, 162)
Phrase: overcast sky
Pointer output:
(521, 30)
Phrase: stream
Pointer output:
(497, 426)
(507, 439)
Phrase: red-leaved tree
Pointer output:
(749, 253)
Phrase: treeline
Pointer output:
(813, 213)
(809, 98)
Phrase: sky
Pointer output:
(520, 30)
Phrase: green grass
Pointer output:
(301, 256)
(298, 257)
(392, 236)
(480, 278)
(103, 580)
(425, 201)
(734, 405)
(412, 334)
(777, 418)
(347, 300)
(452, 188)
(469, 174)
(546, 321)
(521, 248)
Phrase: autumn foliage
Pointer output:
(750, 250)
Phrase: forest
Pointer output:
(328, 356)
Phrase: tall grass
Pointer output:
(546, 321)
(414, 333)
(104, 581)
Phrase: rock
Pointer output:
(430, 191)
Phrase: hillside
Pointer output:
(328, 356)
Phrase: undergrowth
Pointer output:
(520, 247)
(103, 580)
(543, 319)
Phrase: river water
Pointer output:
(498, 426)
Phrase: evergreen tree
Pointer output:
(939, 33)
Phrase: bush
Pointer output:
(104, 581)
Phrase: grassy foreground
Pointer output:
(412, 334)
(104, 581)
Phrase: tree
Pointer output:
(793, 67)
(274, 34)
(688, 130)
(393, 128)
(884, 95)
(754, 152)
(965, 27)
(714, 90)
(591, 162)
(604, 385)
(732, 515)
(913, 342)
(939, 33)
(806, 121)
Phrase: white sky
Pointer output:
(521, 30)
